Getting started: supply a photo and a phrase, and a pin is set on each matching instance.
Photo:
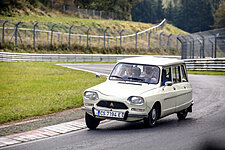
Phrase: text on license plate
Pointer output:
(113, 114)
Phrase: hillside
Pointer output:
(30, 14)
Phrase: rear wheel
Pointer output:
(91, 121)
(152, 117)
(181, 115)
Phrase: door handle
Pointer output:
(174, 88)
(185, 87)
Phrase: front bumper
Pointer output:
(128, 116)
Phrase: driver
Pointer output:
(133, 72)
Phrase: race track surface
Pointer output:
(203, 128)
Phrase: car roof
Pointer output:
(151, 60)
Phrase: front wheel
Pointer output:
(91, 121)
(152, 117)
(181, 115)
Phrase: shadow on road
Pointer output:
(162, 124)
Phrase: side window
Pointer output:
(166, 75)
(176, 74)
(184, 75)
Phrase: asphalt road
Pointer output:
(204, 127)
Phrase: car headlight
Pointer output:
(135, 100)
(90, 95)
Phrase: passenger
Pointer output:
(151, 74)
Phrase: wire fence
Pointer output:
(208, 44)
(88, 13)
(39, 35)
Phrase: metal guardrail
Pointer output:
(14, 57)
(216, 64)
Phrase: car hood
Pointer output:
(122, 89)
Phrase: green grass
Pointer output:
(36, 88)
(206, 72)
(114, 25)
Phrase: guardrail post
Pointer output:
(183, 42)
(160, 40)
(88, 35)
(177, 41)
(168, 41)
(121, 37)
(16, 31)
(100, 15)
(203, 46)
(136, 40)
(216, 35)
(34, 34)
(104, 35)
(52, 34)
(200, 54)
(70, 34)
(78, 11)
(211, 47)
(3, 31)
(86, 13)
(149, 39)
(192, 48)
(93, 13)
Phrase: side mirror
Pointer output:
(184, 80)
(169, 83)
(98, 76)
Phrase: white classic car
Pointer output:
(140, 88)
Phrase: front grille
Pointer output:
(113, 105)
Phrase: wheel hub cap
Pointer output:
(153, 114)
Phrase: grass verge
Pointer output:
(36, 88)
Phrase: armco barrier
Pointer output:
(216, 64)
(5, 56)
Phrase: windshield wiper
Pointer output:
(116, 76)
(136, 78)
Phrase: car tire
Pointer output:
(181, 115)
(91, 121)
(152, 117)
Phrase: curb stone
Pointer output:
(44, 132)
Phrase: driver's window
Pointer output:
(166, 75)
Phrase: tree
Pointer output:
(169, 13)
(219, 17)
(145, 11)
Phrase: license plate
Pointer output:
(112, 114)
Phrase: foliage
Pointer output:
(219, 17)
(189, 15)
(147, 11)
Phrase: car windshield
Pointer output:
(135, 73)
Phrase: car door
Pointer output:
(168, 91)
(180, 86)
